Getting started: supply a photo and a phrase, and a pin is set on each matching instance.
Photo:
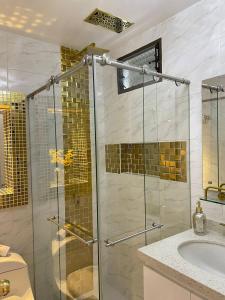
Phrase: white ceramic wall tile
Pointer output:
(3, 79)
(24, 82)
(3, 61)
(193, 47)
(212, 211)
(30, 55)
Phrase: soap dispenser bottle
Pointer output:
(199, 220)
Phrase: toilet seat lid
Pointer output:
(11, 262)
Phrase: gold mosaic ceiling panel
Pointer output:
(106, 20)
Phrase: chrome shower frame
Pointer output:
(105, 60)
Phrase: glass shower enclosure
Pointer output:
(108, 170)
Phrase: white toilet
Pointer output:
(14, 268)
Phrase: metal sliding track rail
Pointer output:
(216, 88)
(56, 79)
(104, 60)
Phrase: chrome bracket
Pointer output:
(87, 60)
(50, 82)
(105, 60)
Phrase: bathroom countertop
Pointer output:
(163, 257)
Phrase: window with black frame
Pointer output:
(150, 55)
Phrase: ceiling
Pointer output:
(61, 21)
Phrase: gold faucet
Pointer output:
(220, 189)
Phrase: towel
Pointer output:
(4, 250)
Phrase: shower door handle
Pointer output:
(71, 233)
(109, 243)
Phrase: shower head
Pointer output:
(106, 20)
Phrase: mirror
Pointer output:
(213, 132)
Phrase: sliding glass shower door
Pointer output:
(167, 157)
(121, 184)
(143, 172)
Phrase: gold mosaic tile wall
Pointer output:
(166, 160)
(77, 173)
(14, 192)
(76, 132)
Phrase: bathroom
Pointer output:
(111, 131)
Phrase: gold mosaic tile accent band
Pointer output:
(132, 158)
(13, 158)
(173, 161)
(167, 160)
(152, 159)
(112, 158)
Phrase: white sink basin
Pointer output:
(206, 255)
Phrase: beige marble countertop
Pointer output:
(164, 258)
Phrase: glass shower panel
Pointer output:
(78, 149)
(62, 139)
(121, 197)
(44, 182)
(166, 136)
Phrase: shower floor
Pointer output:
(80, 284)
